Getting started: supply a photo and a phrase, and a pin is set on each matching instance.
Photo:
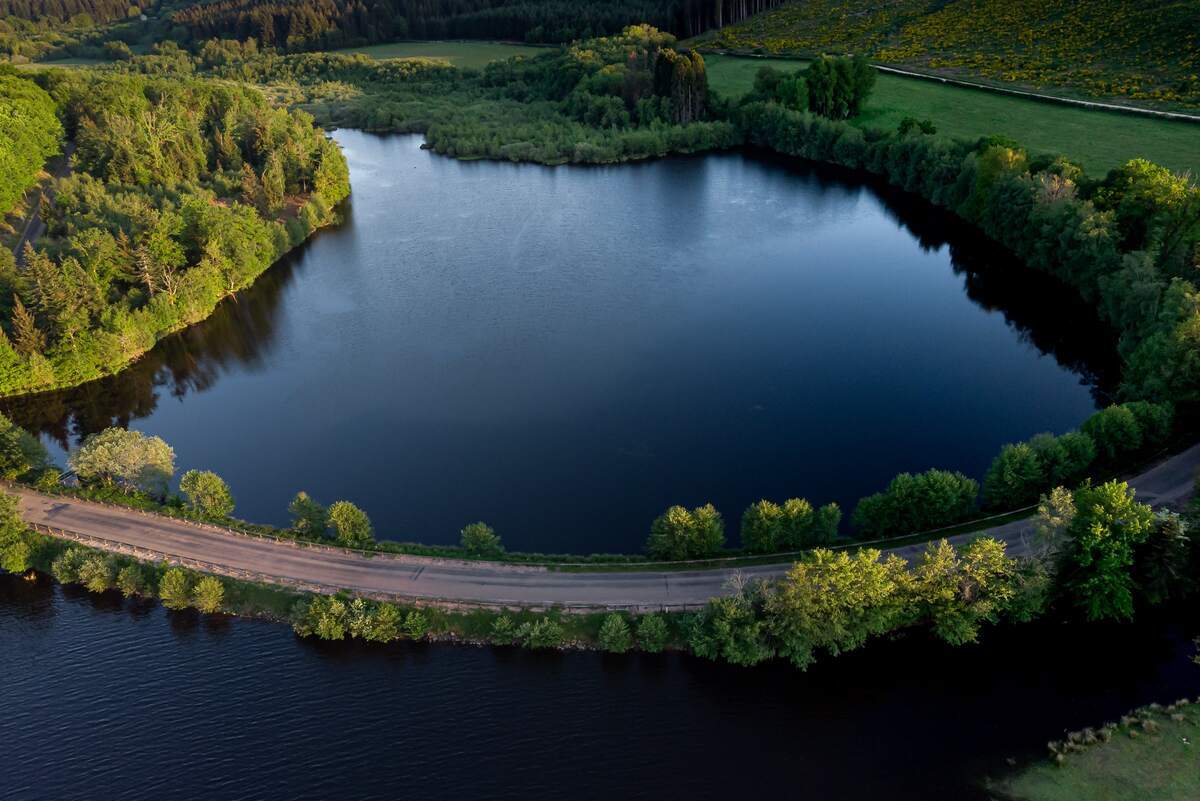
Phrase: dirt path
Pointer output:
(450, 581)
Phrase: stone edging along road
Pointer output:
(460, 583)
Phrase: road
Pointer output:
(461, 582)
(59, 167)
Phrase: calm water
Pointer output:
(565, 352)
(108, 699)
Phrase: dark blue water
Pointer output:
(102, 698)
(564, 352)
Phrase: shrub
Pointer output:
(175, 589)
(207, 493)
(481, 540)
(652, 633)
(131, 580)
(309, 518)
(416, 624)
(681, 534)
(1015, 477)
(540, 633)
(615, 636)
(97, 572)
(1115, 431)
(504, 631)
(65, 567)
(351, 526)
(208, 594)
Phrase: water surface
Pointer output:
(564, 352)
(104, 698)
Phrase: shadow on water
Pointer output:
(241, 334)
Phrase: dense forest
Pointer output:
(62, 10)
(182, 192)
(29, 134)
(324, 24)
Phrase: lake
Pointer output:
(565, 352)
(106, 698)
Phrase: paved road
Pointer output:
(1168, 483)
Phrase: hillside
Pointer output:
(1147, 52)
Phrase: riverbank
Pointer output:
(1149, 754)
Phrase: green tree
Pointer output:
(504, 631)
(1015, 477)
(540, 634)
(416, 624)
(65, 567)
(309, 518)
(27, 339)
(351, 526)
(480, 539)
(131, 580)
(130, 459)
(732, 628)
(16, 552)
(681, 534)
(1115, 431)
(20, 451)
(1107, 527)
(615, 636)
(1066, 458)
(835, 601)
(386, 624)
(208, 594)
(175, 589)
(760, 525)
(97, 573)
(207, 493)
(1154, 420)
(652, 633)
(1162, 563)
(957, 591)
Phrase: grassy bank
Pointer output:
(468, 55)
(1101, 140)
(1150, 755)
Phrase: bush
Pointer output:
(97, 572)
(208, 594)
(207, 493)
(480, 539)
(1015, 478)
(504, 631)
(351, 526)
(914, 503)
(652, 633)
(131, 580)
(65, 567)
(1115, 431)
(416, 625)
(615, 636)
(309, 518)
(680, 534)
(175, 589)
(540, 633)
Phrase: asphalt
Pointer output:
(1168, 483)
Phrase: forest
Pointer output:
(29, 134)
(323, 24)
(181, 193)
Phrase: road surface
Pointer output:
(461, 582)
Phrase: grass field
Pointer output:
(1151, 756)
(460, 54)
(1099, 139)
(1146, 52)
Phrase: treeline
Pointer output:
(30, 133)
(183, 191)
(63, 10)
(328, 24)
(1100, 555)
